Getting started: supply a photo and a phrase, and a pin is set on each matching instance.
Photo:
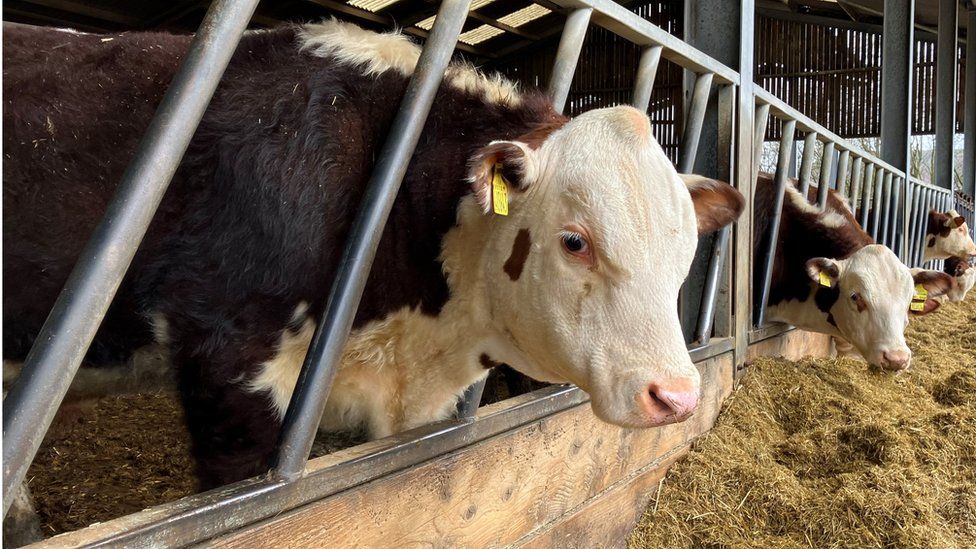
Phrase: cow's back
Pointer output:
(76, 107)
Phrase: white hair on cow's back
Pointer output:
(380, 52)
(827, 218)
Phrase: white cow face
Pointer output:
(948, 236)
(868, 301)
(582, 275)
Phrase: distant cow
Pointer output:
(965, 275)
(830, 277)
(577, 283)
(947, 235)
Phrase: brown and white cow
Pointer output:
(830, 277)
(947, 235)
(577, 283)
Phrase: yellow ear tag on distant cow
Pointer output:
(499, 192)
(918, 306)
(921, 294)
(824, 279)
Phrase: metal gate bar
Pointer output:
(646, 74)
(826, 163)
(318, 371)
(567, 56)
(806, 165)
(768, 250)
(854, 190)
(64, 339)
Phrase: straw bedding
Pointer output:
(829, 453)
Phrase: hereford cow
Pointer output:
(830, 277)
(577, 283)
(947, 235)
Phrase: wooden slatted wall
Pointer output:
(833, 75)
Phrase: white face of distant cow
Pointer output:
(948, 236)
(583, 273)
(869, 299)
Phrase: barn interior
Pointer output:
(823, 58)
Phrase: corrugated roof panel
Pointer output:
(524, 15)
(479, 34)
(426, 24)
(371, 5)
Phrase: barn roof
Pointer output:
(494, 29)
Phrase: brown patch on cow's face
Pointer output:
(487, 362)
(520, 252)
(938, 224)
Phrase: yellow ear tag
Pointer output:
(921, 294)
(918, 306)
(824, 279)
(499, 192)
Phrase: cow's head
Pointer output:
(581, 277)
(868, 296)
(948, 236)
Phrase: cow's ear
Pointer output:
(958, 221)
(716, 203)
(934, 282)
(929, 306)
(823, 271)
(511, 161)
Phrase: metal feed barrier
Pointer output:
(717, 90)
(874, 189)
(51, 365)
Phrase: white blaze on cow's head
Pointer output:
(948, 236)
(581, 277)
(867, 298)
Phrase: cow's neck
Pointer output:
(806, 314)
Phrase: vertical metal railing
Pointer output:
(318, 371)
(768, 250)
(60, 347)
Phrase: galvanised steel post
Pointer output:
(896, 82)
(969, 111)
(315, 380)
(946, 64)
(61, 345)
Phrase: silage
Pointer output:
(830, 453)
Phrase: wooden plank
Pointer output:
(792, 345)
(608, 519)
(494, 492)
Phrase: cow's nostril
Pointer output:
(673, 402)
(896, 360)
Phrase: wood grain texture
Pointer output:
(497, 492)
(792, 345)
(607, 519)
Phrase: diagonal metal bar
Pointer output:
(694, 122)
(567, 56)
(315, 381)
(768, 252)
(806, 166)
(826, 164)
(646, 73)
(62, 342)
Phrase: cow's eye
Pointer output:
(575, 243)
(855, 297)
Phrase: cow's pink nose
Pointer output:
(668, 404)
(896, 360)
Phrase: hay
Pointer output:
(828, 453)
